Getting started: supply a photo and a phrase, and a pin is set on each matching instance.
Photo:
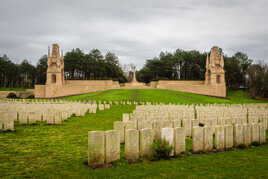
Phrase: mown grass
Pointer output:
(13, 89)
(49, 151)
(164, 96)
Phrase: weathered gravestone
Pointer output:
(9, 125)
(176, 123)
(208, 138)
(219, 137)
(112, 146)
(167, 124)
(120, 127)
(125, 117)
(262, 133)
(167, 134)
(147, 124)
(23, 118)
(255, 132)
(195, 123)
(131, 124)
(50, 118)
(238, 134)
(132, 145)
(179, 138)
(34, 116)
(246, 134)
(96, 148)
(228, 136)
(157, 125)
(198, 139)
(101, 107)
(146, 143)
(57, 118)
(187, 124)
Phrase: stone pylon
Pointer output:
(55, 66)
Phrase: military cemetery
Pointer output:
(133, 89)
(211, 127)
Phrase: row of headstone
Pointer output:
(211, 115)
(156, 126)
(104, 146)
(5, 123)
(30, 113)
(227, 136)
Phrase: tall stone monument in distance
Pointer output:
(215, 68)
(55, 66)
(134, 80)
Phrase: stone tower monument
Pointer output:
(214, 68)
(134, 80)
(55, 69)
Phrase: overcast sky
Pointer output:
(134, 30)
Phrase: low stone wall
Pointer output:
(74, 87)
(197, 87)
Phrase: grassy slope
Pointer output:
(166, 96)
(46, 151)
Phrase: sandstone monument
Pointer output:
(57, 86)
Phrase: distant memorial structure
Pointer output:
(57, 86)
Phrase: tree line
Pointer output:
(240, 71)
(78, 65)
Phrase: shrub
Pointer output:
(242, 146)
(12, 95)
(255, 143)
(161, 150)
(30, 97)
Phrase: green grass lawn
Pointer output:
(13, 89)
(46, 151)
(165, 96)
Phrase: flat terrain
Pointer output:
(46, 151)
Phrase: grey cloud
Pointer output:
(134, 30)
